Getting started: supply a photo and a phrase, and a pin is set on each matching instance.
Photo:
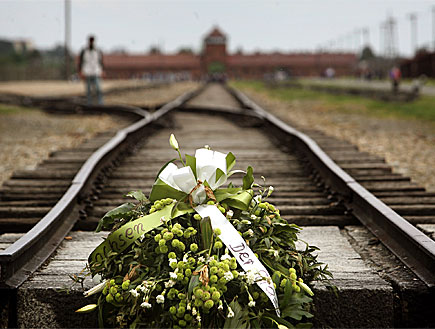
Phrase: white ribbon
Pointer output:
(240, 250)
(183, 179)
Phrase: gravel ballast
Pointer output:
(28, 136)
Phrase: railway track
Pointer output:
(328, 183)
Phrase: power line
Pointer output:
(414, 42)
(67, 38)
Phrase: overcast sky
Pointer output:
(251, 25)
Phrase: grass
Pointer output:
(422, 109)
(12, 109)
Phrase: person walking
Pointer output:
(90, 68)
(395, 76)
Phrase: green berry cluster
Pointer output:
(160, 204)
(115, 292)
(267, 207)
(169, 239)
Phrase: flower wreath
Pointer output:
(197, 255)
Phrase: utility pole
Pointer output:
(414, 42)
(357, 39)
(349, 42)
(433, 27)
(67, 38)
(382, 38)
(366, 37)
(390, 38)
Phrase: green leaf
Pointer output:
(224, 193)
(194, 281)
(279, 320)
(248, 179)
(161, 190)
(138, 195)
(206, 232)
(191, 162)
(231, 161)
(276, 278)
(295, 313)
(181, 208)
(240, 319)
(240, 201)
(111, 215)
(219, 174)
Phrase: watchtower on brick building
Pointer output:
(214, 54)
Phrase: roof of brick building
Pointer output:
(298, 59)
(152, 61)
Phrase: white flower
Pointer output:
(160, 299)
(188, 307)
(274, 252)
(169, 284)
(144, 289)
(134, 293)
(172, 260)
(173, 275)
(145, 305)
(250, 232)
(257, 198)
(242, 274)
(198, 318)
(226, 256)
(230, 313)
(194, 311)
(95, 289)
(270, 191)
(250, 277)
(201, 259)
(230, 213)
(221, 306)
(228, 276)
(251, 303)
(173, 142)
(246, 222)
(163, 219)
(253, 216)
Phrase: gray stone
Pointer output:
(414, 303)
(49, 298)
(429, 229)
(363, 299)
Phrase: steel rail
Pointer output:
(414, 248)
(29, 252)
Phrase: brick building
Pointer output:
(214, 58)
(423, 63)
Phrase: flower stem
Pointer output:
(181, 158)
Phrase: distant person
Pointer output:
(91, 70)
(395, 76)
(330, 73)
